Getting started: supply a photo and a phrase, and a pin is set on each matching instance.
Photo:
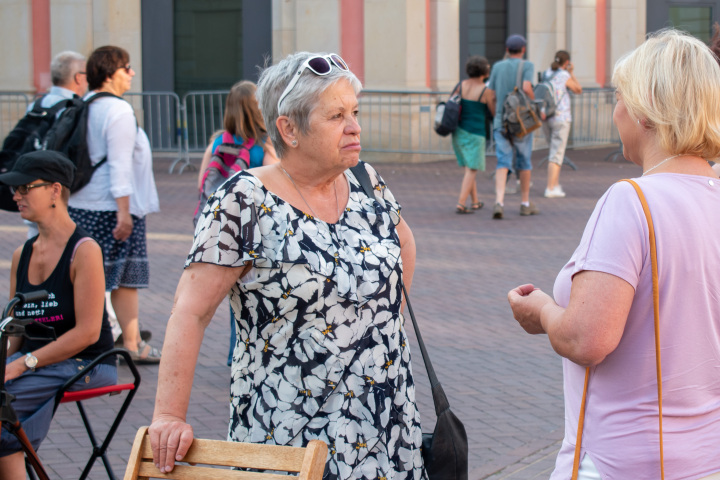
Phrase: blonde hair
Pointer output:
(672, 82)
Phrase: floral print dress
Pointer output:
(321, 349)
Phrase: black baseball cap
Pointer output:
(40, 165)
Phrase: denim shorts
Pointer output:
(504, 151)
(35, 396)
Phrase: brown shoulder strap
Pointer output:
(658, 367)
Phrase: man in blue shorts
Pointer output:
(502, 81)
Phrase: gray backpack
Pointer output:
(520, 114)
(545, 94)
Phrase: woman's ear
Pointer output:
(287, 130)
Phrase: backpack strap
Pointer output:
(92, 99)
(518, 81)
(549, 79)
(226, 137)
(39, 111)
(363, 178)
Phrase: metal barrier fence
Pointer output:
(402, 122)
(12, 108)
(392, 121)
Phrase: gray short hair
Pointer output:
(302, 100)
(64, 66)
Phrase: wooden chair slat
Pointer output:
(188, 472)
(309, 462)
(235, 454)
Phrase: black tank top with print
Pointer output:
(58, 310)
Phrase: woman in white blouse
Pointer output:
(113, 206)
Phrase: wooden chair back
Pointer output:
(205, 456)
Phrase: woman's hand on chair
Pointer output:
(170, 439)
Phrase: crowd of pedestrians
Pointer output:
(481, 119)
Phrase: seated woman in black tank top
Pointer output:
(63, 260)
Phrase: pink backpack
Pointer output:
(227, 159)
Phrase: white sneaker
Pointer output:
(556, 192)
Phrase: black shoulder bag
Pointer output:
(445, 451)
(447, 114)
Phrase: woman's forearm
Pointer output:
(66, 346)
(201, 289)
(177, 368)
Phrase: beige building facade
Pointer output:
(396, 45)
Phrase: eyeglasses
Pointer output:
(320, 65)
(127, 68)
(24, 189)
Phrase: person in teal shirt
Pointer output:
(468, 139)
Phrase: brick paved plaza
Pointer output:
(505, 385)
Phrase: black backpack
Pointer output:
(69, 136)
(29, 133)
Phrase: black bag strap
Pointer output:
(92, 99)
(457, 87)
(439, 397)
(481, 93)
(50, 112)
(363, 179)
(97, 95)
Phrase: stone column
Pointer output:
(395, 53)
(117, 22)
(445, 43)
(72, 26)
(627, 21)
(309, 25)
(547, 21)
(16, 38)
(581, 40)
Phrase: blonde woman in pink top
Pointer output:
(602, 314)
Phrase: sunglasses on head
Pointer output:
(320, 65)
(24, 189)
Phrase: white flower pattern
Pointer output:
(321, 350)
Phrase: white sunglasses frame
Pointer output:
(306, 64)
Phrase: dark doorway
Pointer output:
(693, 17)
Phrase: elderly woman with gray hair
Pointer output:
(314, 269)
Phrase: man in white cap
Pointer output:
(502, 81)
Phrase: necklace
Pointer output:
(666, 160)
(337, 206)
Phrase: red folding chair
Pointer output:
(64, 396)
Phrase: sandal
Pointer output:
(478, 205)
(462, 209)
(145, 335)
(145, 354)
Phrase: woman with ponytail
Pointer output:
(557, 127)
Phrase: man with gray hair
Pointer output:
(67, 71)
